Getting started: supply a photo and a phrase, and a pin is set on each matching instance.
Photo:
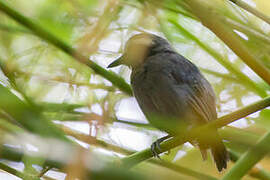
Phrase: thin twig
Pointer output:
(28, 115)
(17, 173)
(64, 80)
(252, 10)
(49, 37)
(247, 30)
(221, 75)
(44, 171)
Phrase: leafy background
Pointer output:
(57, 90)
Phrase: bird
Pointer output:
(172, 93)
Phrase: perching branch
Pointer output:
(138, 157)
(49, 37)
(183, 170)
(227, 133)
(99, 143)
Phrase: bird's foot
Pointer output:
(155, 147)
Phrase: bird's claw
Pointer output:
(155, 148)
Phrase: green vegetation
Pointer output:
(62, 110)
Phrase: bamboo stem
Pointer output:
(249, 159)
(252, 10)
(256, 172)
(240, 75)
(247, 30)
(13, 29)
(209, 16)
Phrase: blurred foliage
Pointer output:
(47, 96)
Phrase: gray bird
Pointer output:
(172, 93)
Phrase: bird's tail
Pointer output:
(220, 154)
(218, 150)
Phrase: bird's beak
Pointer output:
(117, 62)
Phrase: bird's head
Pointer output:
(139, 47)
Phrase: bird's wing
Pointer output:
(175, 89)
(201, 97)
(160, 101)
